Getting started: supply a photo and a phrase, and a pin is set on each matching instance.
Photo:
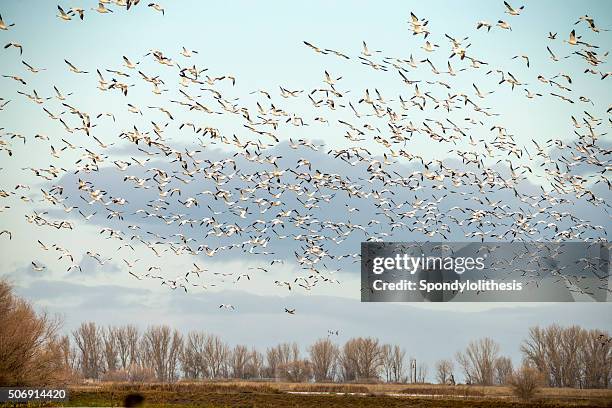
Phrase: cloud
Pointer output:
(95, 267)
(427, 334)
(398, 216)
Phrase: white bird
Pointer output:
(73, 68)
(503, 24)
(512, 11)
(157, 7)
(63, 15)
(483, 23)
(102, 9)
(129, 64)
(15, 45)
(187, 53)
(3, 25)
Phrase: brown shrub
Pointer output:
(116, 376)
(295, 371)
(526, 382)
(139, 374)
(31, 350)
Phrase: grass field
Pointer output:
(278, 394)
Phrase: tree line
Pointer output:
(159, 353)
(34, 353)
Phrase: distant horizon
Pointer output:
(506, 323)
(217, 167)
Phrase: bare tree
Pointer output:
(596, 358)
(282, 354)
(569, 357)
(385, 351)
(348, 361)
(162, 347)
(534, 350)
(89, 343)
(393, 363)
(192, 356)
(503, 370)
(272, 362)
(240, 359)
(398, 358)
(127, 345)
(295, 371)
(30, 349)
(288, 352)
(572, 342)
(477, 361)
(216, 357)
(422, 371)
(255, 365)
(110, 349)
(323, 357)
(552, 346)
(69, 356)
(361, 359)
(444, 371)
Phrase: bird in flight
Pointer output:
(510, 10)
(167, 155)
(157, 7)
(3, 25)
(73, 68)
(15, 45)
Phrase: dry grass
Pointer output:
(337, 388)
(275, 394)
(458, 390)
(194, 387)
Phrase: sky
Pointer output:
(262, 46)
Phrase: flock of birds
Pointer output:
(263, 192)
